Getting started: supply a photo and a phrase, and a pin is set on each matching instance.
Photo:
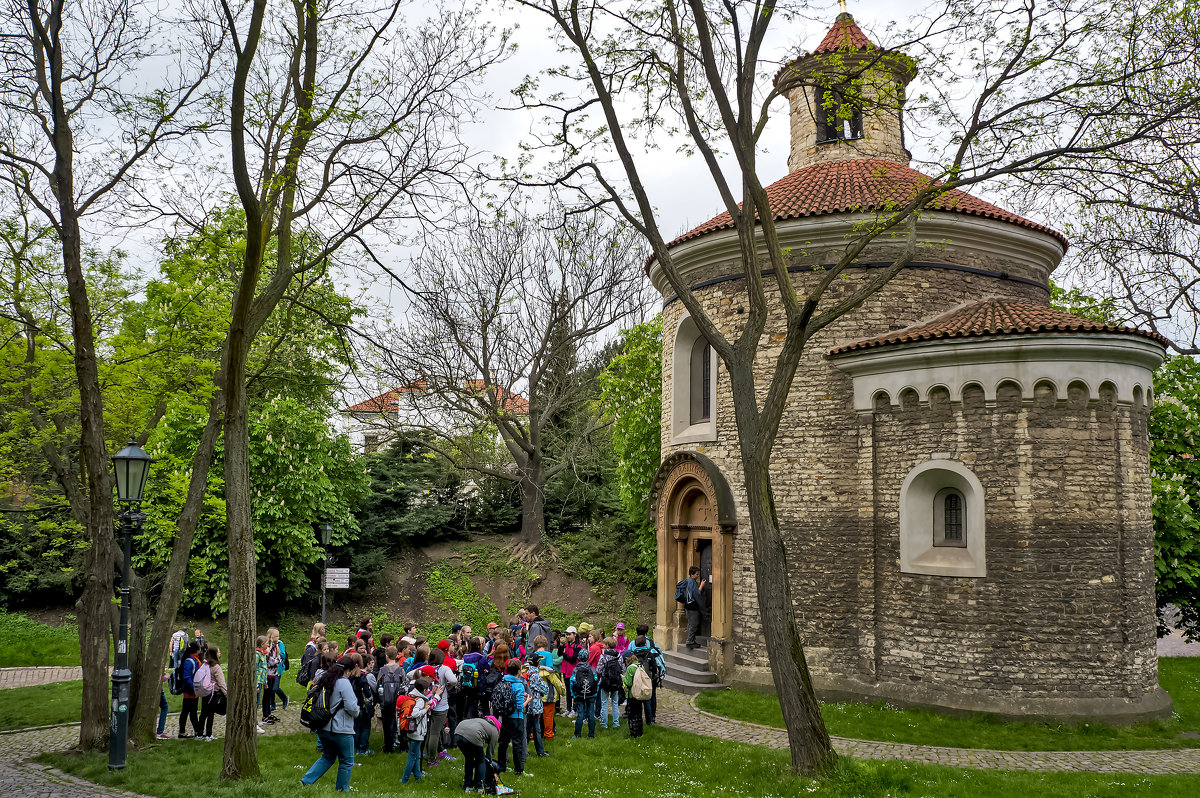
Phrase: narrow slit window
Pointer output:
(700, 384)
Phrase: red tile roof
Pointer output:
(388, 401)
(993, 317)
(845, 34)
(861, 184)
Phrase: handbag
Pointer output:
(219, 703)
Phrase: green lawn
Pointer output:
(663, 764)
(1179, 676)
(24, 641)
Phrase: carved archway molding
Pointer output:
(687, 465)
(690, 505)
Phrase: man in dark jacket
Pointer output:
(691, 605)
(537, 626)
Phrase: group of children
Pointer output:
(479, 694)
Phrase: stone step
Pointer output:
(684, 673)
(689, 688)
(694, 661)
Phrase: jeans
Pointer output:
(437, 721)
(206, 715)
(334, 747)
(693, 624)
(651, 706)
(162, 711)
(608, 702)
(413, 766)
(570, 697)
(533, 725)
(474, 768)
(362, 733)
(585, 709)
(513, 730)
(190, 703)
(387, 716)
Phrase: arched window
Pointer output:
(838, 117)
(949, 518)
(700, 382)
(694, 397)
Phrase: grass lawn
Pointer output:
(663, 764)
(24, 641)
(1179, 676)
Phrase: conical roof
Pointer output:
(862, 185)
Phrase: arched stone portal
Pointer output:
(693, 513)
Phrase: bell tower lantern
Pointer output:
(846, 99)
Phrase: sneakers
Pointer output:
(445, 755)
(163, 736)
(261, 730)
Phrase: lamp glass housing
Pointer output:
(132, 466)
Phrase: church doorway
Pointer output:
(694, 520)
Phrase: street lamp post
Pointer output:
(131, 465)
(326, 530)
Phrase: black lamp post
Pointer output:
(326, 531)
(131, 465)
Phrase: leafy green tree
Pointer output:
(1175, 484)
(632, 393)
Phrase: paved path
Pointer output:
(680, 712)
(28, 677)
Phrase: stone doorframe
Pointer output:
(690, 501)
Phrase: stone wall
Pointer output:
(1068, 601)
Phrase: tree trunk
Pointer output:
(808, 741)
(533, 505)
(241, 740)
(149, 677)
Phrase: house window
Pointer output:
(700, 382)
(838, 118)
(370, 442)
(949, 518)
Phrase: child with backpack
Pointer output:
(538, 691)
(187, 671)
(391, 685)
(651, 658)
(509, 702)
(260, 674)
(412, 713)
(637, 689)
(584, 686)
(610, 672)
(211, 689)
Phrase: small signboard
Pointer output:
(337, 578)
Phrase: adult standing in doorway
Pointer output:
(692, 604)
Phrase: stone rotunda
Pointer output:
(962, 473)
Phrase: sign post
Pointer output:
(337, 578)
(326, 529)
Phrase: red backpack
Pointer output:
(404, 710)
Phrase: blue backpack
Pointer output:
(681, 591)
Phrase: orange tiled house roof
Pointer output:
(865, 184)
(993, 317)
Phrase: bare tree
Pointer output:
(342, 120)
(1011, 88)
(504, 315)
(75, 129)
